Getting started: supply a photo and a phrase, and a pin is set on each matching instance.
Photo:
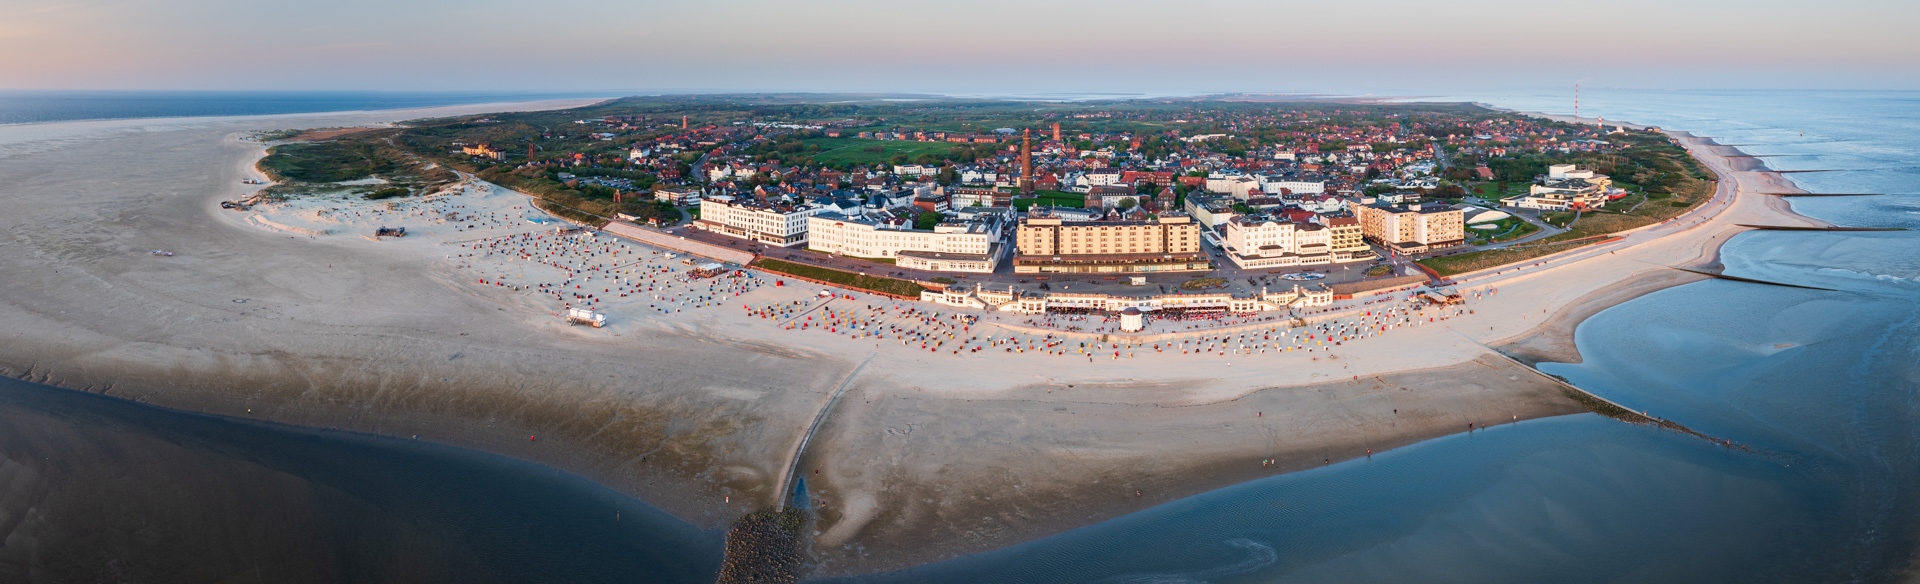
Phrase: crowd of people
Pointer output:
(586, 270)
(955, 333)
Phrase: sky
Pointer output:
(978, 46)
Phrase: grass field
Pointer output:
(1052, 199)
(1492, 191)
(893, 286)
(1667, 182)
(859, 151)
(1591, 224)
(1510, 229)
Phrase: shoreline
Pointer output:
(488, 106)
(1553, 340)
(393, 343)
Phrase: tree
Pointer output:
(948, 175)
(1126, 203)
(927, 220)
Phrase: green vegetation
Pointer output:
(888, 261)
(277, 135)
(894, 286)
(306, 167)
(1664, 171)
(1378, 271)
(928, 220)
(1504, 230)
(856, 151)
(330, 162)
(389, 192)
(1203, 283)
(585, 203)
(942, 280)
(1051, 199)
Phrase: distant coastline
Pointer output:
(51, 106)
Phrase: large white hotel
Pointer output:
(1254, 242)
(952, 246)
(769, 223)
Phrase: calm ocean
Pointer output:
(27, 107)
(1823, 384)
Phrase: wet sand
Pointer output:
(695, 412)
(94, 489)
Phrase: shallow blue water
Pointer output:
(1821, 386)
(25, 107)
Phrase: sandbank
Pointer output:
(300, 318)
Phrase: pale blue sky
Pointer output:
(985, 45)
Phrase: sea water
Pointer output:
(1818, 389)
(27, 107)
(98, 489)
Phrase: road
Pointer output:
(1546, 230)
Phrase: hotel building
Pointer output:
(770, 223)
(1050, 245)
(1254, 242)
(953, 246)
(1411, 229)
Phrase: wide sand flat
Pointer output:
(285, 316)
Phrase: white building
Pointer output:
(678, 197)
(1238, 185)
(1299, 186)
(1567, 171)
(1323, 203)
(770, 223)
(972, 246)
(1263, 242)
(1566, 187)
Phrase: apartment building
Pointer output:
(1346, 239)
(1170, 243)
(1411, 229)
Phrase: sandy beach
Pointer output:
(693, 399)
